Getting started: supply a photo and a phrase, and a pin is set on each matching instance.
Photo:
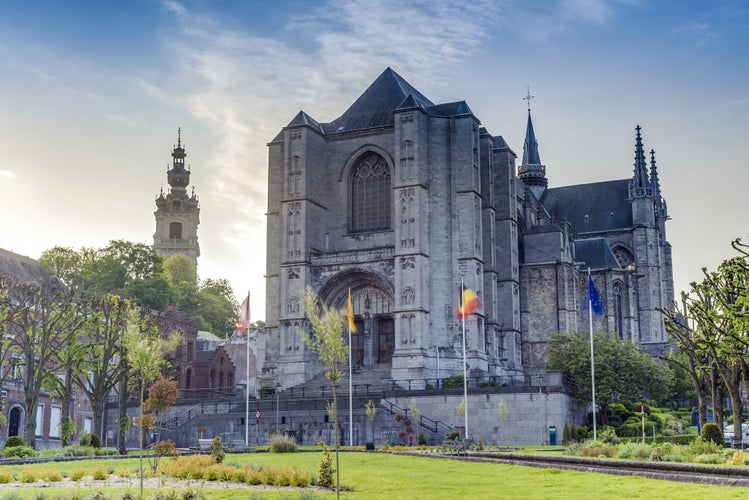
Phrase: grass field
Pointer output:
(391, 477)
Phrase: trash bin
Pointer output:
(552, 435)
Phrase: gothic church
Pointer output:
(400, 200)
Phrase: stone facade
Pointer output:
(402, 202)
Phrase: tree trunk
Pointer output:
(122, 414)
(67, 397)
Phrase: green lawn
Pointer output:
(385, 476)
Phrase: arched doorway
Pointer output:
(14, 422)
(372, 302)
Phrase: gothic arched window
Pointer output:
(618, 309)
(370, 193)
(624, 257)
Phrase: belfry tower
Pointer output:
(177, 213)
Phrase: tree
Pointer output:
(179, 268)
(623, 371)
(162, 395)
(328, 343)
(43, 317)
(718, 306)
(146, 354)
(103, 359)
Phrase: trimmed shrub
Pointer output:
(95, 441)
(51, 475)
(28, 476)
(711, 432)
(14, 441)
(217, 450)
(325, 479)
(281, 443)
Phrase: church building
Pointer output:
(402, 201)
(177, 213)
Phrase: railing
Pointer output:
(324, 391)
(427, 423)
(428, 384)
(200, 409)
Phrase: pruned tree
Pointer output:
(44, 316)
(327, 342)
(104, 362)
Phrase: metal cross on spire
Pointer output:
(528, 98)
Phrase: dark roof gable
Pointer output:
(591, 208)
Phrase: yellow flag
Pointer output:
(350, 314)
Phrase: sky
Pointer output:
(92, 94)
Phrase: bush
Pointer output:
(711, 432)
(700, 446)
(217, 450)
(20, 452)
(84, 439)
(708, 458)
(597, 449)
(95, 441)
(325, 479)
(100, 472)
(634, 451)
(77, 474)
(453, 382)
(14, 441)
(280, 443)
(28, 476)
(51, 475)
(6, 476)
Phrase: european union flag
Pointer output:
(594, 299)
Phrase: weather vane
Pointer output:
(528, 98)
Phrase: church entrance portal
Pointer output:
(14, 422)
(386, 340)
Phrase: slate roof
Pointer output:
(20, 267)
(595, 253)
(605, 204)
(374, 108)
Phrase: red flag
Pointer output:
(243, 318)
(469, 303)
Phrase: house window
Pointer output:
(176, 206)
(370, 193)
(189, 351)
(40, 420)
(175, 230)
(54, 422)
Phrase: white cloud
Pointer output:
(7, 174)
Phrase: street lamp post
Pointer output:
(540, 379)
(278, 388)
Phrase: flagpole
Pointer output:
(465, 364)
(350, 383)
(247, 379)
(592, 359)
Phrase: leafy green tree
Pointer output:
(328, 343)
(180, 268)
(44, 316)
(146, 353)
(623, 371)
(217, 309)
(103, 352)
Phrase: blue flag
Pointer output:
(593, 298)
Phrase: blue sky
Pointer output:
(92, 93)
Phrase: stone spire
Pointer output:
(641, 185)
(532, 172)
(660, 203)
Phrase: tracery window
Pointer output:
(618, 312)
(370, 193)
(624, 257)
